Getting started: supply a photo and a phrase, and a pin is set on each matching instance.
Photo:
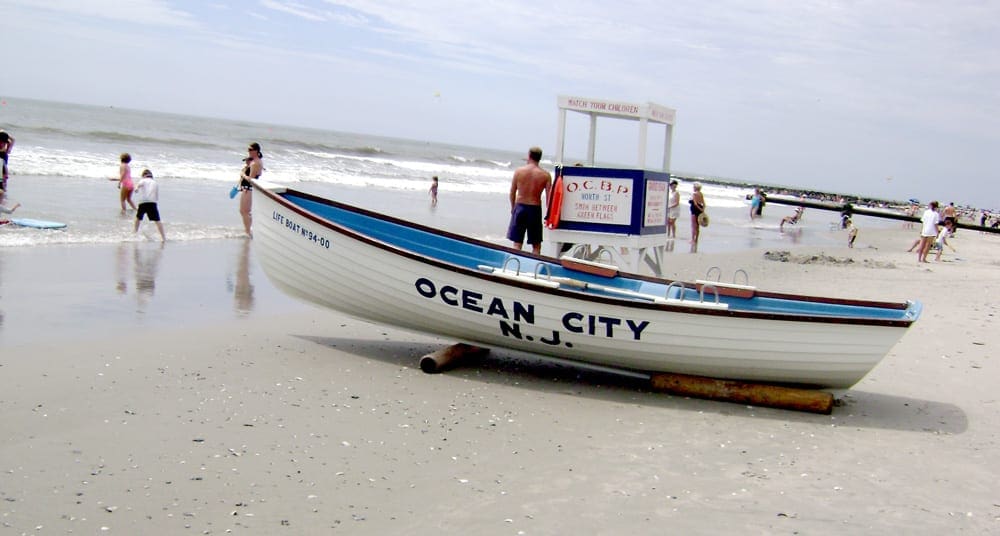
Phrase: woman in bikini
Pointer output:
(125, 184)
(252, 170)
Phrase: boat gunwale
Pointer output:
(275, 195)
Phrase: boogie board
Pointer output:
(37, 224)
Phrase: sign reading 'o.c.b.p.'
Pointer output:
(611, 200)
(599, 200)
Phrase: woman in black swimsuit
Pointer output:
(254, 167)
(697, 203)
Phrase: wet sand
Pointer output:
(198, 399)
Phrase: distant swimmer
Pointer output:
(434, 191)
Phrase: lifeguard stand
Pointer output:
(619, 210)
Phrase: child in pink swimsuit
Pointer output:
(125, 185)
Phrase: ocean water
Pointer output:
(65, 155)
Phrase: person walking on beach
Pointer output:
(697, 203)
(526, 189)
(756, 204)
(673, 210)
(148, 193)
(942, 240)
(846, 213)
(949, 213)
(6, 145)
(125, 184)
(434, 191)
(252, 170)
(911, 211)
(929, 230)
(852, 233)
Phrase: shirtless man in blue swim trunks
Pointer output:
(526, 189)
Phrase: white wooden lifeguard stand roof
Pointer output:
(643, 113)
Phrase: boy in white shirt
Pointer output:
(942, 239)
(147, 193)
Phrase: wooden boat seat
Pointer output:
(589, 267)
(692, 303)
(727, 289)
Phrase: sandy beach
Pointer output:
(172, 390)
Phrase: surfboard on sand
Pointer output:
(37, 224)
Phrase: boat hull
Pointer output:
(334, 266)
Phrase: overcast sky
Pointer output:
(887, 98)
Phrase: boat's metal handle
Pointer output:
(601, 250)
(701, 292)
(548, 270)
(680, 292)
(746, 276)
(580, 251)
(515, 259)
(718, 273)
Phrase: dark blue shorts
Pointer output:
(148, 208)
(526, 219)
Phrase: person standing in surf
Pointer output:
(673, 210)
(125, 184)
(756, 204)
(526, 189)
(149, 195)
(697, 203)
(6, 145)
(252, 170)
